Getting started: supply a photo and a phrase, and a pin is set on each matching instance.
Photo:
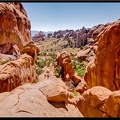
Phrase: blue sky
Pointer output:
(51, 16)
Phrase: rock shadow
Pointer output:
(58, 104)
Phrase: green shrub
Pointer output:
(77, 67)
(41, 64)
(38, 71)
(74, 93)
(81, 63)
(81, 71)
(3, 62)
(73, 64)
(52, 55)
(41, 54)
(57, 71)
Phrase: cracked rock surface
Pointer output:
(38, 100)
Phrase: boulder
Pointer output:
(99, 102)
(81, 87)
(112, 104)
(93, 100)
(16, 73)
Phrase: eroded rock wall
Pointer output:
(104, 70)
(15, 39)
(15, 26)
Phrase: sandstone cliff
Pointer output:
(15, 40)
(15, 26)
(104, 70)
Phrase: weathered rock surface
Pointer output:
(43, 99)
(81, 87)
(15, 26)
(15, 39)
(112, 104)
(99, 102)
(6, 58)
(104, 70)
(55, 90)
(16, 73)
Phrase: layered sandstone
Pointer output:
(104, 70)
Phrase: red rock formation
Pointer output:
(39, 36)
(105, 69)
(17, 72)
(97, 31)
(15, 26)
(99, 102)
(87, 53)
(63, 60)
(16, 40)
(49, 35)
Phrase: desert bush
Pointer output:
(41, 64)
(81, 71)
(57, 71)
(75, 93)
(3, 62)
(79, 67)
(38, 71)
(41, 54)
(52, 55)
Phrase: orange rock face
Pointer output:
(15, 26)
(15, 39)
(104, 70)
(15, 29)
(16, 73)
(63, 60)
(100, 102)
